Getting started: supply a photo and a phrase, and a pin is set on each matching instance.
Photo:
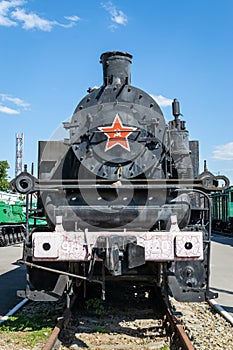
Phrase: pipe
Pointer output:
(12, 311)
(221, 310)
(60, 272)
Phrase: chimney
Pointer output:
(116, 67)
(205, 166)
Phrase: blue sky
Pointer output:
(181, 49)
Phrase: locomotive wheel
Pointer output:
(7, 240)
(2, 241)
(11, 238)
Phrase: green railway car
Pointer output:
(12, 223)
(222, 211)
(13, 219)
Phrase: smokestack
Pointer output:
(205, 166)
(116, 67)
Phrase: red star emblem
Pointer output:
(117, 134)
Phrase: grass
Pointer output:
(100, 330)
(96, 307)
(25, 330)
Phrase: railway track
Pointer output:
(178, 337)
(132, 318)
(142, 323)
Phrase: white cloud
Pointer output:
(116, 16)
(12, 14)
(7, 110)
(5, 7)
(8, 104)
(16, 100)
(32, 20)
(223, 152)
(162, 101)
(72, 18)
(6, 22)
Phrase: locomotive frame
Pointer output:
(122, 198)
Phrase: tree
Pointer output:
(4, 183)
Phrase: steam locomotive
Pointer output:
(121, 196)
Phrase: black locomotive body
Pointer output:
(121, 197)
